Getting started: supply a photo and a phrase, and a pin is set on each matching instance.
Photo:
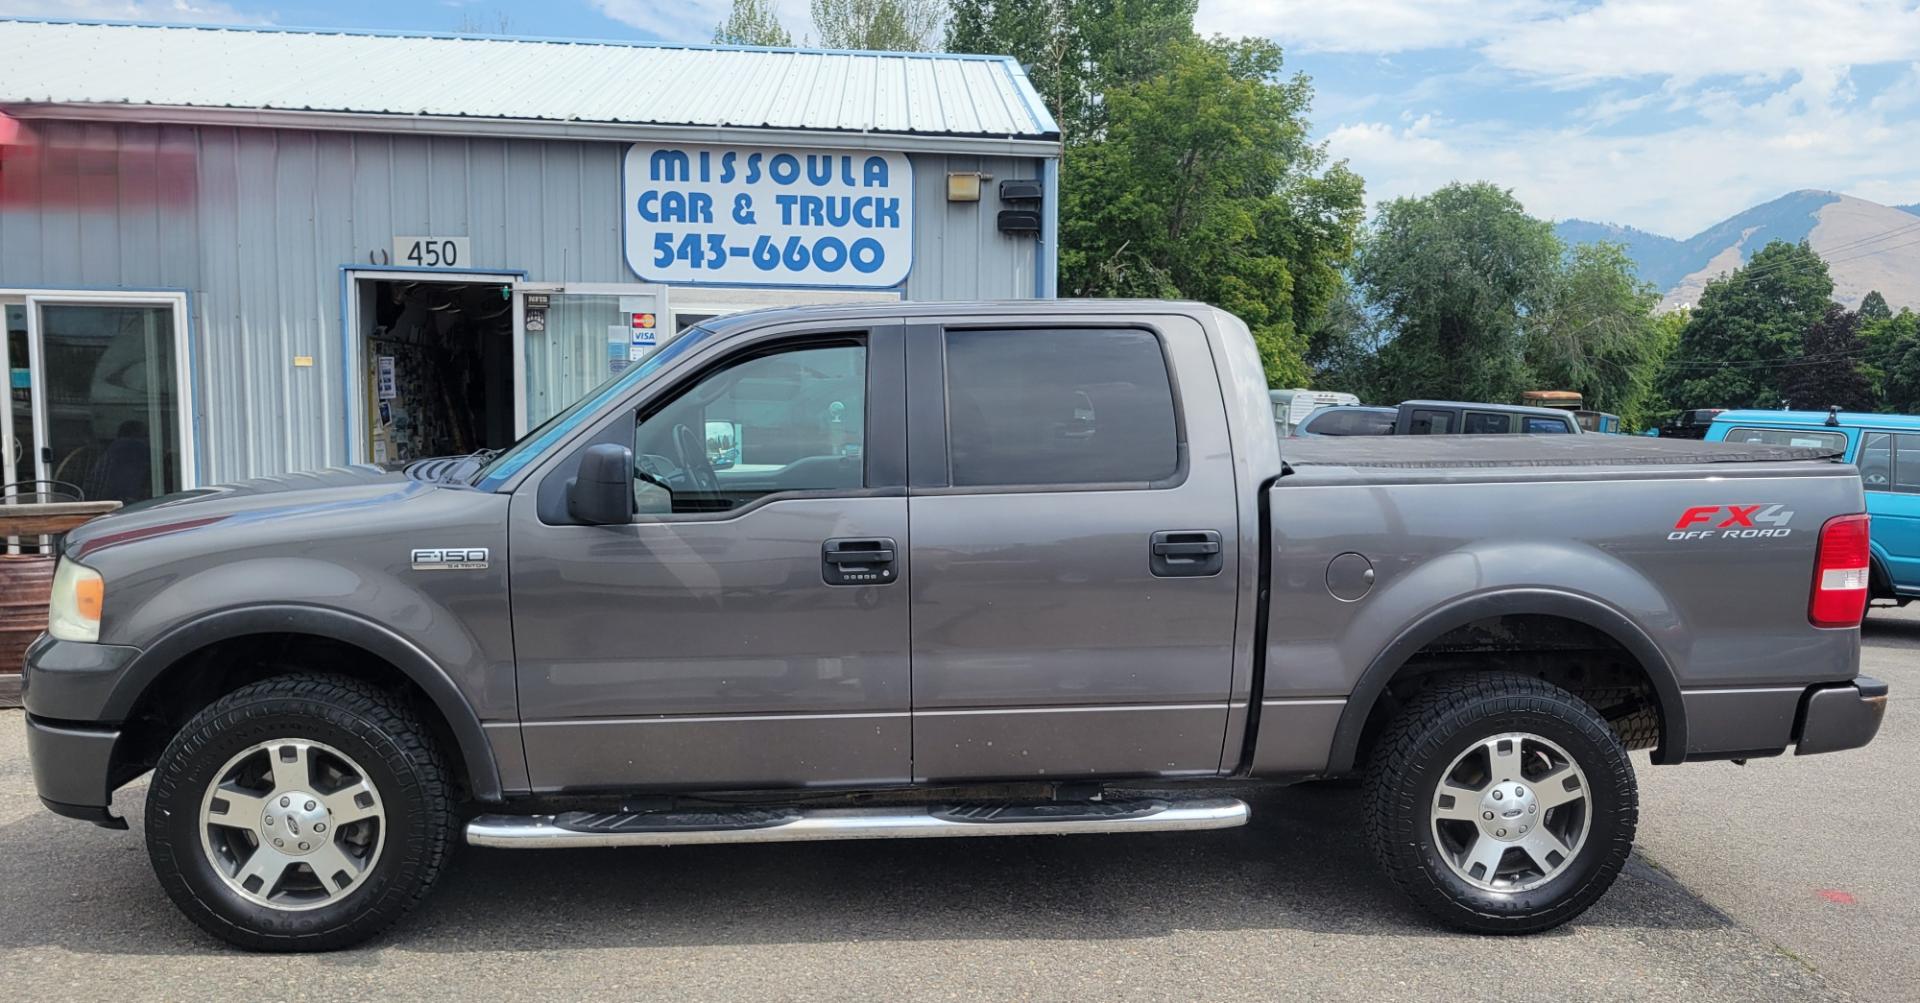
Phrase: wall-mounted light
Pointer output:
(964, 186)
(1022, 197)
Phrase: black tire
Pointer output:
(371, 726)
(1442, 722)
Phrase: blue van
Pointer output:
(1886, 448)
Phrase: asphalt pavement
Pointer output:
(1788, 879)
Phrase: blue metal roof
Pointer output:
(532, 79)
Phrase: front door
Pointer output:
(1074, 551)
(749, 629)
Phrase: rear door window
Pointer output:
(1906, 464)
(1065, 406)
(1876, 461)
(1485, 423)
(1342, 421)
(1425, 422)
(1805, 438)
(1546, 426)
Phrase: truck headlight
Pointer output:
(78, 593)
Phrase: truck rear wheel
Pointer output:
(301, 813)
(1500, 803)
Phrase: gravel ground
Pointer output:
(1789, 879)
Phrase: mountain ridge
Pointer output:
(1867, 245)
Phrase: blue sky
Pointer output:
(1668, 115)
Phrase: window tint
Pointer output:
(1876, 461)
(1803, 437)
(1059, 407)
(1350, 421)
(1485, 423)
(791, 421)
(1547, 426)
(1430, 422)
(1906, 464)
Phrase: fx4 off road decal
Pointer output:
(1732, 522)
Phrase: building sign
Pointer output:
(736, 215)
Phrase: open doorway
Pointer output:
(438, 359)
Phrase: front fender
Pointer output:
(483, 774)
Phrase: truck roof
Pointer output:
(1817, 418)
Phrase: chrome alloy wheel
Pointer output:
(292, 824)
(1511, 813)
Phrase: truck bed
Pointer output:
(1331, 459)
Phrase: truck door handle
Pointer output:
(1184, 553)
(858, 562)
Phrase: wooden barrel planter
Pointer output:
(26, 579)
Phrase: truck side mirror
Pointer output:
(601, 494)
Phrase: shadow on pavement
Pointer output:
(1301, 865)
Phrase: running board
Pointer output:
(792, 825)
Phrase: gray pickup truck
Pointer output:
(976, 569)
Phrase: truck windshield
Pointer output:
(531, 445)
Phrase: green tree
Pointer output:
(1597, 333)
(1454, 276)
(1075, 51)
(1828, 371)
(1342, 343)
(1205, 186)
(752, 22)
(1874, 308)
(887, 25)
(1746, 326)
(1900, 386)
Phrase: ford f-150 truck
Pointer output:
(979, 569)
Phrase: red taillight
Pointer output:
(1840, 571)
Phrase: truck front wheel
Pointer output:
(300, 813)
(1501, 803)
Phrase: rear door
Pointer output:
(1889, 465)
(1074, 550)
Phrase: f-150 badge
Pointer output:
(450, 559)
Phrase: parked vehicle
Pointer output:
(1886, 448)
(1598, 421)
(1691, 424)
(982, 569)
(1349, 420)
(1291, 407)
(1559, 400)
(1460, 418)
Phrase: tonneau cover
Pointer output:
(1440, 452)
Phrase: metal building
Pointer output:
(233, 252)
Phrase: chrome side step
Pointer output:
(584, 829)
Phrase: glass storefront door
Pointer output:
(17, 455)
(109, 404)
(95, 397)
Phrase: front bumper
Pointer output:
(68, 689)
(72, 766)
(1846, 716)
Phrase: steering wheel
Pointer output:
(1877, 478)
(693, 460)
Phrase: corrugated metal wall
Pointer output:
(257, 223)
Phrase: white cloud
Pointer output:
(1367, 25)
(694, 20)
(174, 11)
(1691, 40)
(1676, 181)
